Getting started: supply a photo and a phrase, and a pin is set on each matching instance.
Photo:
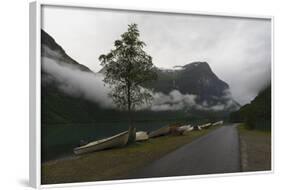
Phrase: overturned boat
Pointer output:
(141, 136)
(185, 128)
(118, 140)
(159, 132)
(186, 131)
(207, 125)
(217, 123)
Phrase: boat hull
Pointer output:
(185, 132)
(205, 126)
(141, 136)
(217, 123)
(118, 140)
(159, 132)
(183, 128)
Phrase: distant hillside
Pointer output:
(58, 107)
(50, 49)
(212, 94)
(196, 78)
(257, 114)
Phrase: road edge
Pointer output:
(243, 153)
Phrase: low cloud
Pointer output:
(77, 83)
(172, 101)
(229, 105)
(90, 86)
(226, 102)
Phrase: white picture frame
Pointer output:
(35, 93)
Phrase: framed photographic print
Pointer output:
(122, 94)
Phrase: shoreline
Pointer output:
(114, 163)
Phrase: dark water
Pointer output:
(58, 140)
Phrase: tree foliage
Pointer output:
(127, 67)
(257, 114)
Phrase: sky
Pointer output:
(237, 49)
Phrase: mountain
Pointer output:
(50, 49)
(196, 79)
(256, 114)
(56, 106)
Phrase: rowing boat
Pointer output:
(118, 140)
(207, 125)
(188, 130)
(183, 128)
(217, 123)
(141, 136)
(159, 132)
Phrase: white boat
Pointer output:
(159, 132)
(118, 140)
(183, 128)
(205, 125)
(188, 130)
(141, 136)
(217, 123)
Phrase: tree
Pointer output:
(127, 67)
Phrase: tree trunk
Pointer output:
(132, 129)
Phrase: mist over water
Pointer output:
(90, 86)
(78, 83)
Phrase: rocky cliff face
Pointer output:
(198, 79)
(194, 78)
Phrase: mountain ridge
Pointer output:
(196, 78)
(51, 49)
(170, 76)
(60, 107)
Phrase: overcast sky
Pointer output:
(237, 49)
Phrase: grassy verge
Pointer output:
(115, 163)
(255, 148)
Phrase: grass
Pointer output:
(114, 163)
(255, 148)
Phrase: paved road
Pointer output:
(217, 152)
